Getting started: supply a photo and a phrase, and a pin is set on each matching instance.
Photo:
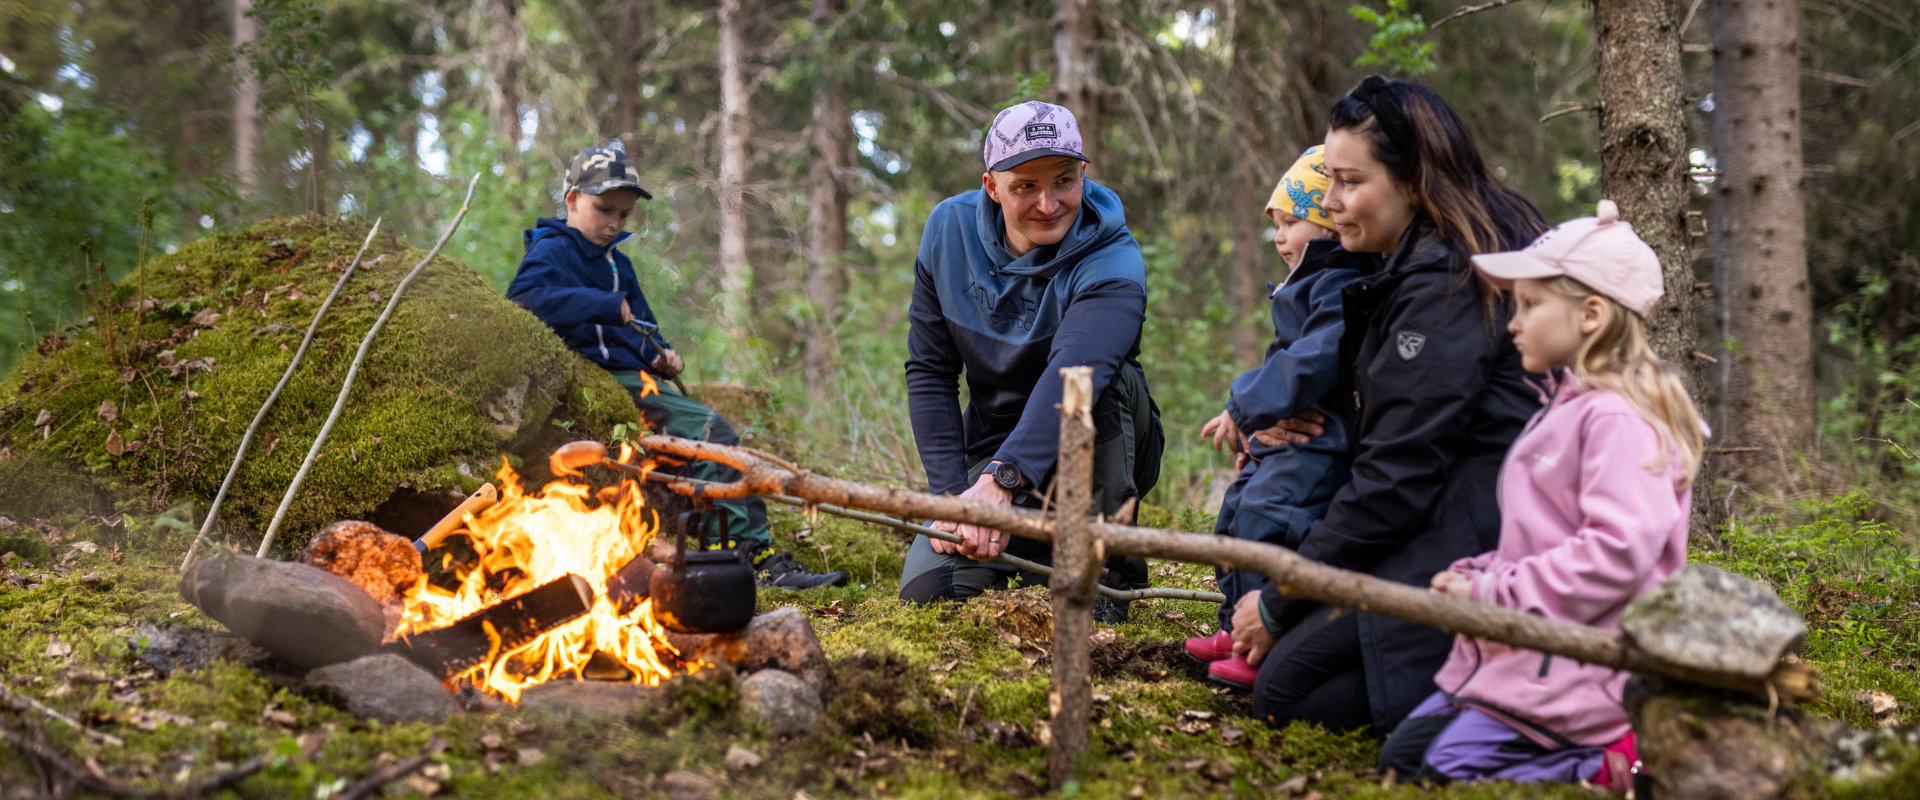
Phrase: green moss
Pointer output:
(433, 408)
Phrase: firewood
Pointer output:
(466, 644)
(631, 584)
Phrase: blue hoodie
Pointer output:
(1011, 324)
(576, 286)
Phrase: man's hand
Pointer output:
(668, 363)
(1453, 584)
(1298, 430)
(981, 544)
(626, 313)
(1250, 637)
(1224, 432)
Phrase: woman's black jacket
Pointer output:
(1439, 394)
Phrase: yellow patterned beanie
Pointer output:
(1303, 190)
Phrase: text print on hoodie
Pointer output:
(576, 286)
(1585, 526)
(1011, 324)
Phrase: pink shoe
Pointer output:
(1212, 648)
(1234, 672)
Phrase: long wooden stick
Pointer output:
(353, 371)
(1294, 575)
(21, 702)
(1076, 570)
(246, 439)
(393, 772)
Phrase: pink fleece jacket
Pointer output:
(1585, 526)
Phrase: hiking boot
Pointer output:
(782, 571)
(1212, 648)
(1124, 573)
(1234, 672)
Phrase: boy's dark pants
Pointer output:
(1128, 443)
(671, 413)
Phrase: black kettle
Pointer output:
(704, 591)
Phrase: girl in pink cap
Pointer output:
(1594, 498)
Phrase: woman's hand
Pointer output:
(1453, 584)
(1250, 637)
(1298, 430)
(1224, 432)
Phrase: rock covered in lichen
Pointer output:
(1711, 619)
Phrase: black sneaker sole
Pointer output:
(1227, 683)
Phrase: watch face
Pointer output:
(1007, 476)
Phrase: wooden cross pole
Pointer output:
(1076, 569)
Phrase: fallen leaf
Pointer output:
(374, 296)
(1220, 771)
(91, 577)
(57, 648)
(84, 547)
(43, 419)
(219, 725)
(1197, 714)
(125, 697)
(1231, 735)
(116, 446)
(205, 318)
(424, 785)
(108, 411)
(1293, 786)
(1102, 637)
(740, 758)
(947, 667)
(1009, 638)
(492, 741)
(529, 756)
(1192, 765)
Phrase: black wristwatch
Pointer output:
(1007, 475)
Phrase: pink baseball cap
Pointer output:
(1601, 252)
(1028, 131)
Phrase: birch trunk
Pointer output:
(1760, 255)
(832, 134)
(246, 105)
(1075, 28)
(736, 275)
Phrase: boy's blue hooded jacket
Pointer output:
(1011, 324)
(576, 286)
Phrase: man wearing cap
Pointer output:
(1033, 271)
(575, 279)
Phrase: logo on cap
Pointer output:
(1043, 130)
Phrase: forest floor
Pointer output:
(938, 702)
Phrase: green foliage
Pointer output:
(1397, 42)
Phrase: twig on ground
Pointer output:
(46, 757)
(353, 371)
(246, 439)
(393, 772)
(20, 702)
(1169, 616)
(1465, 10)
(1572, 109)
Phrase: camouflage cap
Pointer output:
(599, 169)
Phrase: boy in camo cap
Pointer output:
(575, 279)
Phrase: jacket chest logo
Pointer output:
(1013, 313)
(1409, 343)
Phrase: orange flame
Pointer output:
(531, 539)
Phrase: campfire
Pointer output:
(545, 556)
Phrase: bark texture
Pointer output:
(1760, 258)
(832, 143)
(628, 36)
(503, 61)
(1076, 26)
(246, 104)
(736, 277)
(1249, 186)
(1076, 569)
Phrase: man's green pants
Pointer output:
(1128, 443)
(674, 414)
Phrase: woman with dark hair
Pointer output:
(1437, 394)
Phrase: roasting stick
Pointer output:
(353, 371)
(482, 499)
(213, 511)
(575, 455)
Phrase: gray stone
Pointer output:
(688, 786)
(784, 702)
(780, 639)
(1710, 619)
(385, 687)
(304, 615)
(588, 698)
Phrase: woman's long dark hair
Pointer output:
(1427, 149)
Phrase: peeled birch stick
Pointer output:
(482, 499)
(246, 439)
(346, 388)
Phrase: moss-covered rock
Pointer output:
(458, 378)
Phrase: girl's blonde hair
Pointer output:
(1617, 357)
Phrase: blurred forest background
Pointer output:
(794, 149)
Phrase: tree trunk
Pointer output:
(1075, 27)
(826, 210)
(736, 275)
(1248, 188)
(246, 105)
(1760, 256)
(629, 29)
(320, 151)
(503, 59)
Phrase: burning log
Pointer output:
(632, 584)
(480, 637)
